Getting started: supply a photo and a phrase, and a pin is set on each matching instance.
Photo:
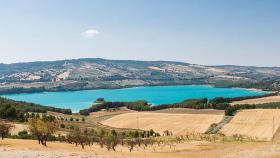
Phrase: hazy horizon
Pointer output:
(135, 60)
(198, 32)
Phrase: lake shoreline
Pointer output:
(155, 95)
(126, 87)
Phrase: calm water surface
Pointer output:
(77, 100)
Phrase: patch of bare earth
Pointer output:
(17, 128)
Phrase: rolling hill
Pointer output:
(96, 73)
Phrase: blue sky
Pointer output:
(240, 32)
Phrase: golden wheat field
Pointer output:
(178, 124)
(269, 99)
(259, 123)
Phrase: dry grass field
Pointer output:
(178, 124)
(269, 99)
(17, 128)
(105, 113)
(15, 148)
(191, 111)
(260, 123)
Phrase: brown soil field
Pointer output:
(178, 124)
(269, 99)
(259, 123)
(15, 148)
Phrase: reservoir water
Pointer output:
(77, 100)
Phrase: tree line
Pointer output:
(219, 103)
(110, 105)
(15, 110)
(108, 138)
(231, 110)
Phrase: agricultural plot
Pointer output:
(270, 99)
(178, 124)
(257, 123)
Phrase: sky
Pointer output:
(208, 32)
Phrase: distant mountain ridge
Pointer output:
(95, 73)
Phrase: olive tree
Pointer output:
(111, 140)
(42, 128)
(79, 137)
(5, 129)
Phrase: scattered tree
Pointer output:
(43, 128)
(5, 129)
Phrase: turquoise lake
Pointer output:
(77, 100)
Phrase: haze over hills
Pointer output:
(94, 73)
